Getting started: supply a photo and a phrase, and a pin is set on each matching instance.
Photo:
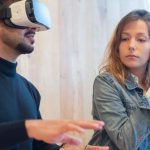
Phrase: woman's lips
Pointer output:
(132, 56)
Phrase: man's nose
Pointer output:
(32, 29)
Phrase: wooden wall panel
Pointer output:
(66, 58)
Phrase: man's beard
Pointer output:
(24, 48)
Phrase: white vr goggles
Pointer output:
(27, 13)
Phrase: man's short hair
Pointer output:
(6, 3)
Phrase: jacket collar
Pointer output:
(131, 82)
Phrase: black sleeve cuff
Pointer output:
(12, 133)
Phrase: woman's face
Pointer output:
(134, 48)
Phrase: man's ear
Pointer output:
(1, 23)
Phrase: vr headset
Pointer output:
(26, 13)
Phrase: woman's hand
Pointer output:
(90, 147)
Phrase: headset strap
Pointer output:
(5, 13)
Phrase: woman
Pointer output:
(121, 94)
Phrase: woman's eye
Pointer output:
(141, 40)
(124, 39)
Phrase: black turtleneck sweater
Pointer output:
(19, 100)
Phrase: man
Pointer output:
(49, 131)
(19, 99)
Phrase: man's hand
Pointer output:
(56, 131)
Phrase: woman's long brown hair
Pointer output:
(112, 62)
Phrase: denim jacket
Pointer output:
(126, 113)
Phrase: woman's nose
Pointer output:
(132, 45)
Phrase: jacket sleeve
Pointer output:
(8, 136)
(126, 131)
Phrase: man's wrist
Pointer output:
(62, 145)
